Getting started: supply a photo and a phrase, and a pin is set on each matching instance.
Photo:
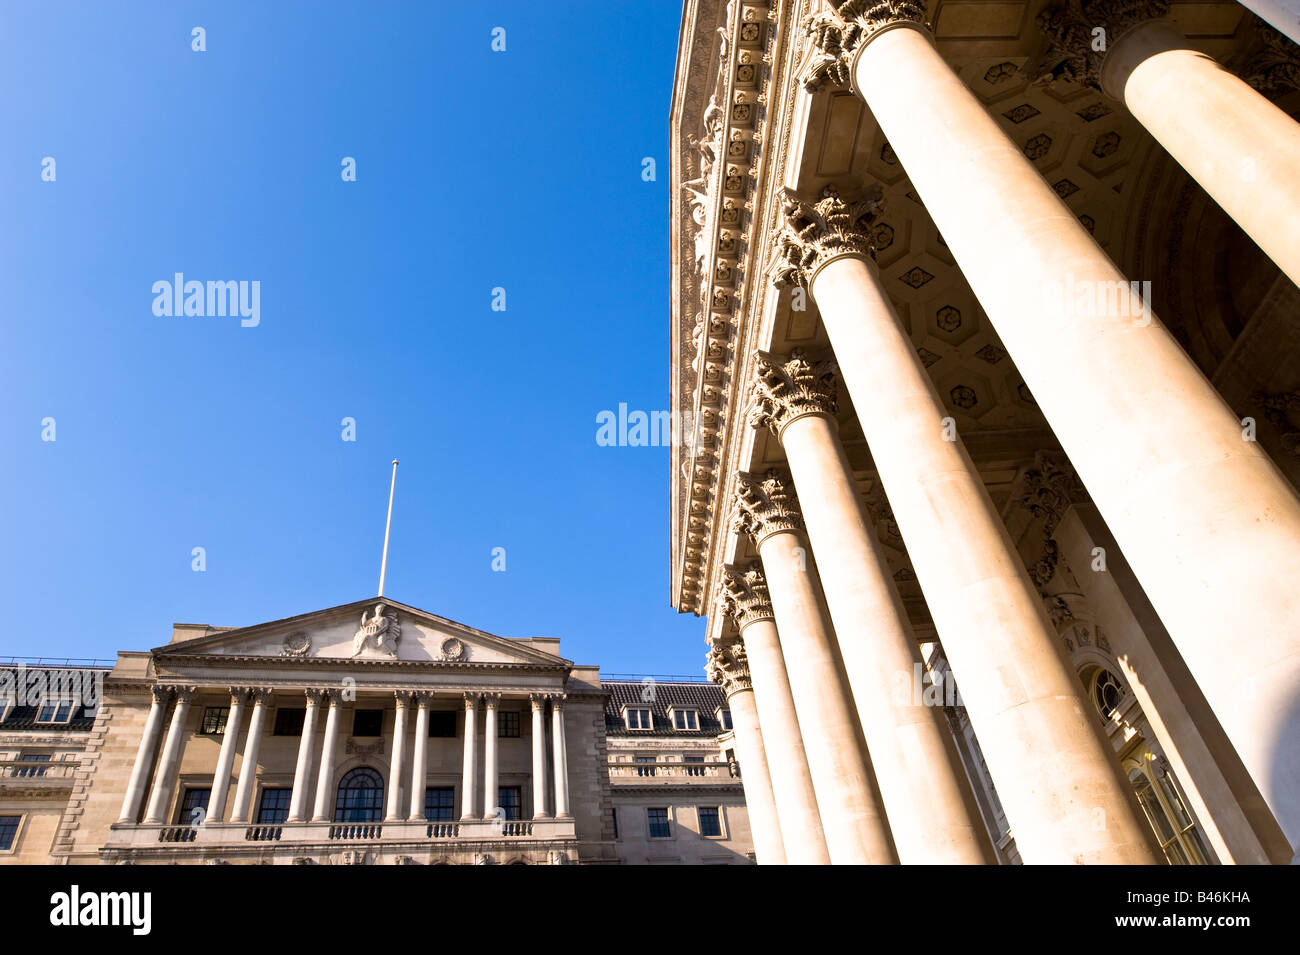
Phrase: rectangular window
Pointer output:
(438, 802)
(194, 807)
(511, 801)
(639, 719)
(214, 720)
(613, 816)
(508, 724)
(368, 723)
(724, 717)
(32, 758)
(710, 822)
(442, 724)
(288, 721)
(686, 720)
(273, 808)
(8, 831)
(658, 820)
(54, 711)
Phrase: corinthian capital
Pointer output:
(813, 233)
(765, 505)
(728, 666)
(784, 391)
(845, 29)
(744, 597)
(1077, 34)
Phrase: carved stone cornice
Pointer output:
(814, 233)
(743, 595)
(784, 391)
(1074, 49)
(727, 665)
(765, 506)
(840, 33)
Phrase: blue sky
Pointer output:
(475, 170)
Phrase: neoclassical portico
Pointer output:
(880, 525)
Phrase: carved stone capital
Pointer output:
(537, 701)
(239, 694)
(557, 701)
(315, 695)
(405, 698)
(1078, 34)
(471, 701)
(160, 694)
(728, 666)
(813, 233)
(184, 694)
(744, 596)
(842, 32)
(785, 391)
(765, 505)
(492, 700)
(262, 695)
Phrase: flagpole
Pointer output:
(383, 566)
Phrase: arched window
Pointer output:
(361, 797)
(1163, 804)
(1106, 691)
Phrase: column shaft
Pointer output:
(491, 797)
(561, 758)
(538, 705)
(325, 778)
(922, 785)
(755, 775)
(302, 771)
(1027, 707)
(846, 796)
(144, 756)
(248, 766)
(468, 775)
(226, 759)
(168, 761)
(419, 756)
(798, 817)
(1137, 418)
(397, 762)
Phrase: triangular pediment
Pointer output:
(363, 632)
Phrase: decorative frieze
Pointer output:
(838, 34)
(765, 505)
(1078, 33)
(784, 391)
(743, 595)
(814, 233)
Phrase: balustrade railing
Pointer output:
(357, 831)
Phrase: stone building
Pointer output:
(362, 734)
(985, 359)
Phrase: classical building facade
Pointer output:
(987, 356)
(370, 733)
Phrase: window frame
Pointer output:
(450, 807)
(668, 822)
(723, 715)
(699, 822)
(508, 720)
(222, 721)
(377, 809)
(649, 715)
(301, 720)
(182, 812)
(39, 763)
(261, 807)
(692, 716)
(449, 716)
(518, 803)
(369, 711)
(19, 826)
(53, 719)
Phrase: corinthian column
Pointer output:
(728, 667)
(538, 704)
(394, 811)
(419, 756)
(170, 758)
(559, 755)
(846, 794)
(1132, 411)
(226, 759)
(144, 756)
(491, 795)
(1027, 707)
(248, 766)
(302, 771)
(921, 782)
(325, 778)
(744, 597)
(1233, 141)
(468, 781)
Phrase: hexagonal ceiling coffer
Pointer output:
(948, 319)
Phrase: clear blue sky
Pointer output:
(475, 170)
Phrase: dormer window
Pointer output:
(724, 717)
(54, 711)
(688, 720)
(638, 718)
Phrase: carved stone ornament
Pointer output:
(1275, 67)
(453, 651)
(1078, 33)
(765, 505)
(845, 29)
(814, 233)
(744, 595)
(728, 666)
(296, 644)
(378, 630)
(784, 391)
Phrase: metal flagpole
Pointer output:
(383, 566)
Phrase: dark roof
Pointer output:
(27, 685)
(704, 697)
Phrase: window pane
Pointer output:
(710, 824)
(508, 725)
(367, 722)
(194, 807)
(658, 819)
(360, 797)
(442, 724)
(214, 720)
(509, 801)
(288, 721)
(8, 830)
(438, 804)
(274, 806)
